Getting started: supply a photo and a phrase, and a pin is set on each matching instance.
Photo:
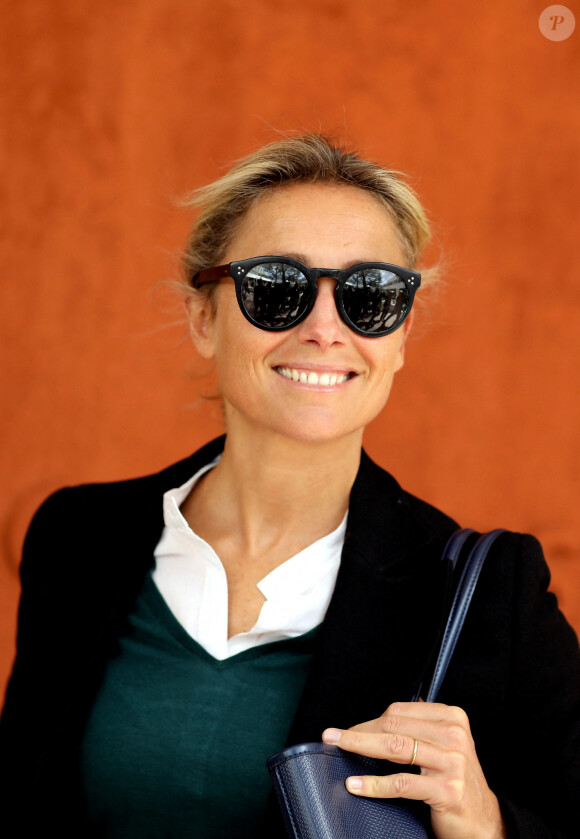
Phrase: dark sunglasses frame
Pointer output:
(238, 270)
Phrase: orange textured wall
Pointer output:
(111, 110)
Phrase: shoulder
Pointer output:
(516, 650)
(514, 585)
(89, 519)
(89, 500)
(514, 589)
(393, 528)
(400, 520)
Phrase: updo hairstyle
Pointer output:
(309, 159)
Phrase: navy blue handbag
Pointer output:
(309, 778)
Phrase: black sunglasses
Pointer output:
(276, 293)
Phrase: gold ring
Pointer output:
(414, 758)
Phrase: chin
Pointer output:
(315, 437)
(320, 432)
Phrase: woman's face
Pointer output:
(348, 376)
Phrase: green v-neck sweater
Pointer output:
(177, 741)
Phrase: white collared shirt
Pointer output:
(192, 580)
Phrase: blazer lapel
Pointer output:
(385, 618)
(133, 511)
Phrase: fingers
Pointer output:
(393, 747)
(434, 734)
(403, 785)
(427, 715)
(433, 711)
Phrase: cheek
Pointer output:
(385, 357)
(226, 329)
(228, 354)
(239, 352)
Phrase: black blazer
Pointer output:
(516, 670)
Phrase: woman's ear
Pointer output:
(200, 315)
(407, 326)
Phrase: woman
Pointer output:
(178, 629)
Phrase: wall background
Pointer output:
(108, 112)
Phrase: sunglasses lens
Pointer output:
(275, 295)
(375, 300)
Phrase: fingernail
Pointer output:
(354, 784)
(331, 735)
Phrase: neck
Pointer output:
(273, 495)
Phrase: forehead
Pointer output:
(328, 225)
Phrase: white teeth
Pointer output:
(312, 378)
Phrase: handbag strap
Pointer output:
(455, 544)
(462, 599)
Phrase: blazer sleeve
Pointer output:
(33, 708)
(81, 570)
(537, 753)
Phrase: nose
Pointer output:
(323, 326)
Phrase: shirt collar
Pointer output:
(174, 498)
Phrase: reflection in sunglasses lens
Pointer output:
(375, 299)
(275, 294)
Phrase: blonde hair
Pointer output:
(311, 158)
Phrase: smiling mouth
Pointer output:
(311, 377)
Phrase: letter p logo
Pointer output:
(557, 23)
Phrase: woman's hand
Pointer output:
(451, 782)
